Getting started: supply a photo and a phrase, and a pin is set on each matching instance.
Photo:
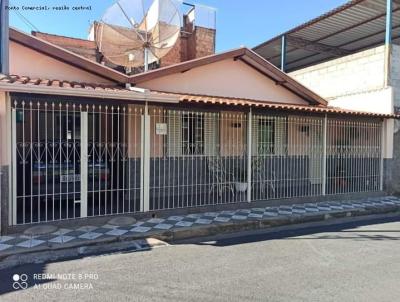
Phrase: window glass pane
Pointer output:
(193, 133)
(266, 137)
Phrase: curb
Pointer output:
(148, 241)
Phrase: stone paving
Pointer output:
(150, 227)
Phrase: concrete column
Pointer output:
(84, 163)
(145, 162)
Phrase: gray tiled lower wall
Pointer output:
(392, 167)
(388, 181)
(4, 197)
(391, 177)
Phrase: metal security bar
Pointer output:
(46, 171)
(114, 150)
(76, 159)
(353, 156)
(197, 158)
(287, 156)
(72, 160)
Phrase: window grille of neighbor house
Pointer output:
(79, 159)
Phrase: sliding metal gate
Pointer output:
(74, 160)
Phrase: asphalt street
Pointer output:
(348, 262)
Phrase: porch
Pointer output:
(75, 158)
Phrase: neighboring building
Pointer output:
(351, 57)
(196, 40)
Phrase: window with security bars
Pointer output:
(193, 133)
(269, 135)
(266, 136)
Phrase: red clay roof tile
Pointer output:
(187, 98)
(276, 106)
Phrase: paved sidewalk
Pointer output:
(188, 224)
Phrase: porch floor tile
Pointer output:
(4, 246)
(222, 219)
(116, 232)
(141, 229)
(184, 224)
(30, 243)
(175, 218)
(90, 235)
(62, 239)
(163, 226)
(151, 226)
(203, 221)
(5, 238)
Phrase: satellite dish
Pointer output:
(136, 33)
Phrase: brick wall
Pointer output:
(176, 54)
(85, 48)
(195, 42)
(204, 43)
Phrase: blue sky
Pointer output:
(244, 22)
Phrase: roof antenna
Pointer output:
(136, 33)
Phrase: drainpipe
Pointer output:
(4, 37)
(388, 40)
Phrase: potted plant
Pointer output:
(240, 179)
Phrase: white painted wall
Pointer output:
(379, 101)
(355, 82)
(388, 130)
(226, 78)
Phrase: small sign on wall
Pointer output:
(161, 129)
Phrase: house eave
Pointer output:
(128, 96)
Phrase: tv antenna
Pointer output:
(136, 33)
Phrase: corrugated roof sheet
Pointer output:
(357, 25)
